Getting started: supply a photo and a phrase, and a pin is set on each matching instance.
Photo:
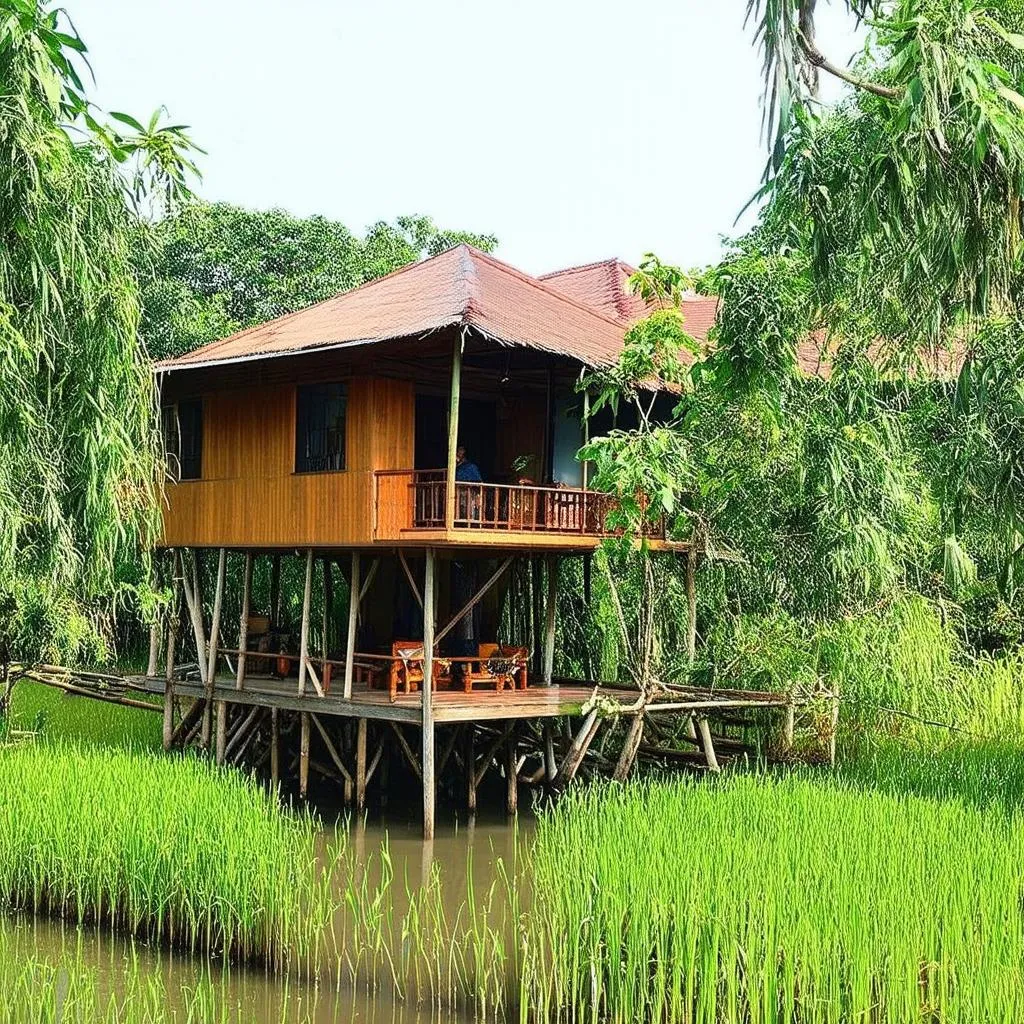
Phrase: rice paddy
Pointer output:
(887, 891)
(777, 899)
(167, 848)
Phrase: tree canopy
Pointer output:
(219, 268)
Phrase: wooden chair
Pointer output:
(503, 666)
(407, 669)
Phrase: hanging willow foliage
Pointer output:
(78, 462)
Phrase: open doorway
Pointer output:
(478, 431)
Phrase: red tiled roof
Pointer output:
(605, 286)
(461, 286)
(581, 312)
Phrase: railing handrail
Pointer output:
(580, 503)
(443, 474)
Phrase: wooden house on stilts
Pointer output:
(420, 431)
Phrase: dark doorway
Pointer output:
(478, 432)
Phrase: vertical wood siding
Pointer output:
(250, 494)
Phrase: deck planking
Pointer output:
(452, 706)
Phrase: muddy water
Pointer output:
(464, 854)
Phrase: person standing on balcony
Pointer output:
(467, 472)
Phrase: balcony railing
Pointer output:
(417, 499)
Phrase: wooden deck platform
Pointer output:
(450, 706)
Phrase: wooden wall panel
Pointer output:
(521, 432)
(249, 494)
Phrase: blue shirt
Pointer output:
(468, 473)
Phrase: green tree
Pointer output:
(78, 462)
(219, 268)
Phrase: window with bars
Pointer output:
(182, 425)
(320, 428)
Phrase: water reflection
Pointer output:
(476, 854)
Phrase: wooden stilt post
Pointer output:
(193, 600)
(211, 659)
(577, 750)
(550, 765)
(353, 624)
(708, 745)
(551, 768)
(361, 730)
(549, 619)
(173, 627)
(453, 429)
(307, 598)
(155, 628)
(427, 759)
(634, 736)
(535, 633)
(471, 768)
(243, 621)
(275, 748)
(511, 776)
(304, 755)
(275, 592)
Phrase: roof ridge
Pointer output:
(541, 286)
(213, 346)
(585, 266)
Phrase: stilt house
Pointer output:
(421, 431)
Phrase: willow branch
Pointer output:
(819, 60)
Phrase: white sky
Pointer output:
(574, 130)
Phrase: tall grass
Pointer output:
(59, 716)
(775, 900)
(170, 848)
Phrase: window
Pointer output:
(320, 428)
(183, 439)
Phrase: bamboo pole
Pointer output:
(511, 777)
(427, 760)
(190, 582)
(577, 750)
(173, 628)
(307, 598)
(154, 629)
(409, 576)
(473, 601)
(304, 755)
(211, 662)
(361, 730)
(471, 768)
(243, 621)
(549, 619)
(275, 749)
(353, 624)
(453, 429)
(708, 745)
(629, 749)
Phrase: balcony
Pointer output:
(408, 502)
